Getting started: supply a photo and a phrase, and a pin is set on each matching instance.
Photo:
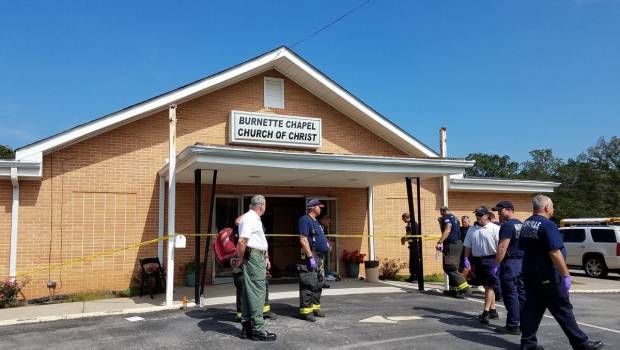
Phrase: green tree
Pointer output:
(544, 166)
(6, 152)
(590, 183)
(492, 165)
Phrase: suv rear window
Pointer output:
(573, 235)
(604, 235)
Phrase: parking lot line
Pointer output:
(547, 316)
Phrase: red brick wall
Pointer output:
(103, 191)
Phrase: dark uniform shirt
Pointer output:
(511, 230)
(455, 232)
(538, 237)
(464, 232)
(312, 229)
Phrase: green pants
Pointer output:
(238, 280)
(254, 290)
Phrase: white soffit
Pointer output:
(461, 184)
(283, 168)
(282, 59)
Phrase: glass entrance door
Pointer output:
(227, 209)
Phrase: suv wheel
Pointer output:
(594, 266)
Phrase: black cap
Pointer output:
(481, 210)
(503, 205)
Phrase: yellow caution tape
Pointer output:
(156, 240)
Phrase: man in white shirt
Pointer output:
(251, 252)
(481, 242)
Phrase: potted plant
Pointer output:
(352, 261)
(189, 268)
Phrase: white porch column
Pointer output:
(14, 225)
(160, 231)
(371, 224)
(443, 152)
(172, 117)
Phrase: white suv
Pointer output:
(594, 248)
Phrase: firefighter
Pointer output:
(311, 274)
(547, 280)
(451, 246)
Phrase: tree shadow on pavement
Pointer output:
(484, 338)
(217, 320)
(285, 310)
(457, 318)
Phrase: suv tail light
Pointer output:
(617, 249)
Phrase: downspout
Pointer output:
(14, 227)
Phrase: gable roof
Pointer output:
(282, 59)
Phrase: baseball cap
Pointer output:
(503, 204)
(315, 203)
(481, 210)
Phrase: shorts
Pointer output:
(483, 271)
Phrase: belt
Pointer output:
(487, 257)
(513, 257)
(255, 251)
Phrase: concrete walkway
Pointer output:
(215, 295)
(225, 294)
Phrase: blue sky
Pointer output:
(504, 76)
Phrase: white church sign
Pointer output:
(274, 130)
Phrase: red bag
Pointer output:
(224, 246)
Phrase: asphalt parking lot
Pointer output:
(405, 320)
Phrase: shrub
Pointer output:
(9, 290)
(389, 268)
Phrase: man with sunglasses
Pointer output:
(481, 243)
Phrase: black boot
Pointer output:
(246, 330)
(493, 314)
(591, 345)
(266, 336)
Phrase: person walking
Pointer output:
(407, 239)
(451, 246)
(481, 242)
(509, 257)
(251, 252)
(547, 280)
(314, 247)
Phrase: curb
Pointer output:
(209, 302)
(92, 314)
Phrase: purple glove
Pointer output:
(494, 270)
(566, 282)
(312, 263)
(466, 263)
(439, 246)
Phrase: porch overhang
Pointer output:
(458, 183)
(244, 166)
